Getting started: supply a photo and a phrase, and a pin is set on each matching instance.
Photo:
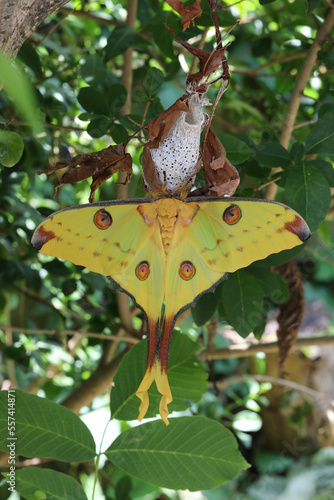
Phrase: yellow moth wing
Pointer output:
(115, 251)
(180, 292)
(215, 247)
(264, 228)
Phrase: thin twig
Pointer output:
(275, 381)
(305, 124)
(46, 125)
(246, 350)
(69, 333)
(89, 15)
(258, 188)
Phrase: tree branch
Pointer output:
(275, 381)
(69, 333)
(19, 19)
(297, 94)
(99, 382)
(246, 350)
(89, 15)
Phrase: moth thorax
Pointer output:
(176, 159)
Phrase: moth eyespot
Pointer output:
(187, 270)
(143, 270)
(102, 219)
(232, 214)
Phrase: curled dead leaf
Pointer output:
(150, 181)
(221, 177)
(100, 166)
(208, 62)
(158, 128)
(291, 312)
(188, 12)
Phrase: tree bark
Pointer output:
(19, 18)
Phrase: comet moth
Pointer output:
(168, 250)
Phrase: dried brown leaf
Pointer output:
(188, 12)
(150, 173)
(100, 166)
(221, 177)
(159, 127)
(291, 313)
(208, 62)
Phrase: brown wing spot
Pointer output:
(77, 235)
(268, 222)
(81, 248)
(69, 243)
(123, 263)
(117, 245)
(258, 227)
(226, 255)
(144, 216)
(298, 227)
(68, 230)
(40, 237)
(110, 258)
(278, 215)
(58, 238)
(96, 254)
(210, 249)
(105, 240)
(245, 231)
(231, 235)
(240, 249)
(89, 236)
(279, 230)
(59, 223)
(212, 262)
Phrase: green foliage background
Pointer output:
(72, 106)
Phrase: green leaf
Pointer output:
(45, 429)
(93, 101)
(297, 152)
(163, 38)
(116, 97)
(278, 259)
(311, 5)
(29, 56)
(325, 233)
(325, 168)
(118, 133)
(205, 308)
(242, 298)
(123, 488)
(273, 285)
(265, 2)
(11, 148)
(321, 138)
(307, 191)
(98, 127)
(187, 379)
(92, 69)
(36, 483)
(193, 453)
(18, 88)
(153, 80)
(118, 41)
(272, 155)
(237, 151)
